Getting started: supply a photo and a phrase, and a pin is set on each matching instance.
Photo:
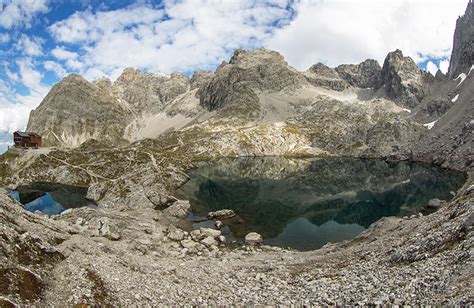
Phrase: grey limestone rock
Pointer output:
(321, 75)
(363, 75)
(253, 238)
(462, 57)
(403, 80)
(221, 214)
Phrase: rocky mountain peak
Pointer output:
(73, 78)
(247, 58)
(129, 74)
(236, 84)
(362, 75)
(403, 80)
(322, 69)
(462, 57)
(320, 75)
(199, 78)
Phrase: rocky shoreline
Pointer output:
(137, 248)
(419, 260)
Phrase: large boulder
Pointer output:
(253, 238)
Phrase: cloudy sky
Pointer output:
(41, 41)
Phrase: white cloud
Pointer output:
(14, 114)
(11, 75)
(444, 66)
(4, 38)
(62, 54)
(30, 77)
(341, 31)
(432, 68)
(29, 46)
(14, 13)
(194, 34)
(55, 67)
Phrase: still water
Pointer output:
(306, 203)
(51, 198)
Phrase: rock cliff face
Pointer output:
(462, 57)
(253, 87)
(234, 86)
(364, 75)
(450, 104)
(76, 110)
(403, 80)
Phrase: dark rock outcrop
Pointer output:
(320, 75)
(235, 85)
(363, 75)
(403, 80)
(462, 57)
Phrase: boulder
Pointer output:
(197, 235)
(436, 203)
(209, 241)
(176, 234)
(189, 244)
(253, 238)
(179, 209)
(108, 229)
(221, 214)
(159, 200)
(210, 232)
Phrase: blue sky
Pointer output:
(41, 41)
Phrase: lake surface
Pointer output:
(306, 203)
(51, 198)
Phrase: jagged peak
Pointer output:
(243, 55)
(73, 78)
(128, 74)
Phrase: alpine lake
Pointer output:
(293, 203)
(51, 198)
(305, 203)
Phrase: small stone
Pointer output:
(209, 241)
(65, 212)
(221, 239)
(434, 203)
(179, 209)
(253, 238)
(196, 235)
(189, 244)
(219, 224)
(210, 232)
(176, 235)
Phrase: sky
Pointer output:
(41, 41)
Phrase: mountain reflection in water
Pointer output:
(305, 203)
(51, 198)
